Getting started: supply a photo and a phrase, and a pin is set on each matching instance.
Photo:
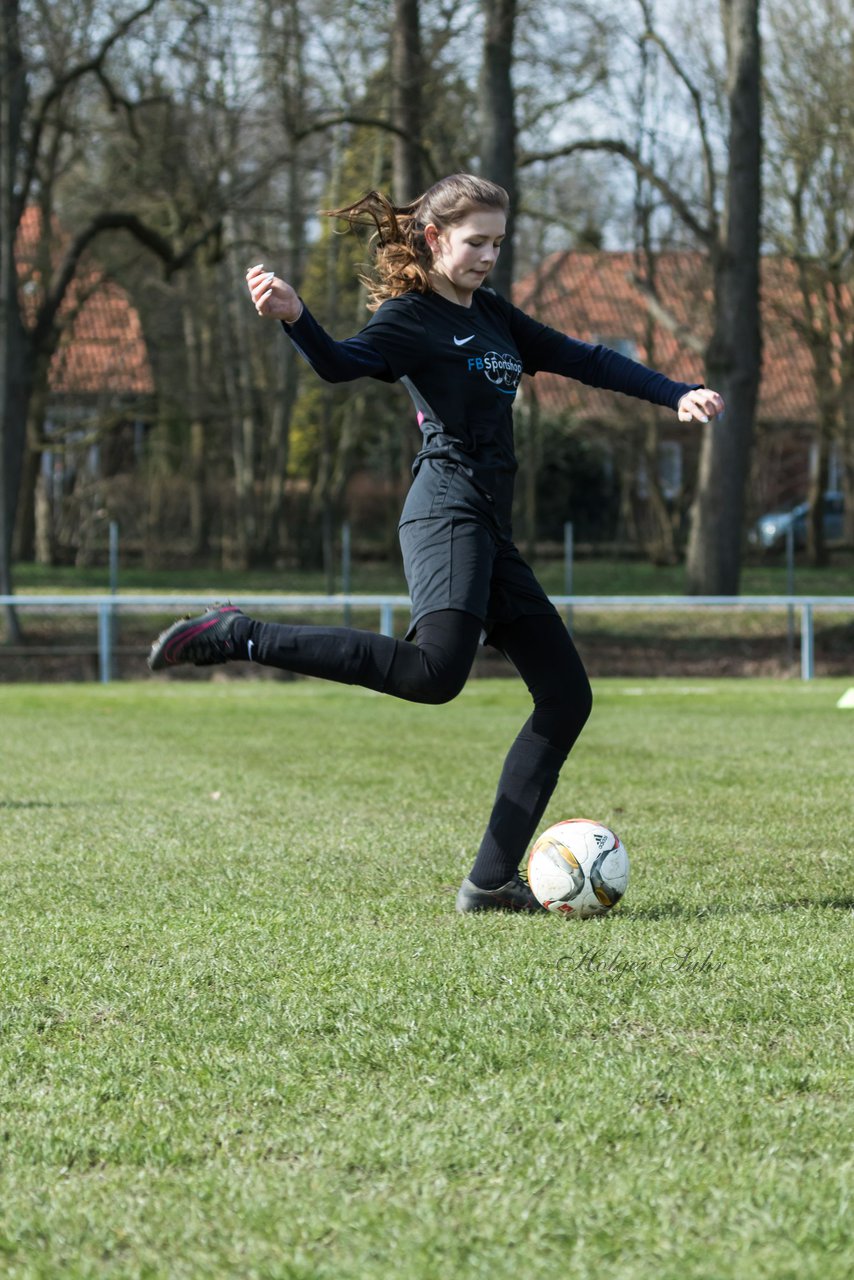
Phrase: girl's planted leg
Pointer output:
(544, 655)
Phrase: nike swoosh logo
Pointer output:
(249, 648)
(461, 342)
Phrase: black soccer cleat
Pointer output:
(201, 641)
(515, 895)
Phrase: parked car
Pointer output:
(770, 529)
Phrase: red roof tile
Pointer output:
(102, 349)
(591, 295)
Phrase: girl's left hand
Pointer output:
(700, 405)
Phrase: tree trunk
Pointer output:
(13, 382)
(44, 548)
(273, 529)
(15, 390)
(322, 503)
(498, 120)
(829, 419)
(196, 347)
(661, 538)
(274, 533)
(23, 542)
(660, 535)
(816, 544)
(239, 540)
(847, 438)
(407, 108)
(848, 488)
(198, 503)
(734, 353)
(155, 474)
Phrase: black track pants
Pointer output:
(542, 652)
(434, 670)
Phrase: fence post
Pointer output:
(790, 591)
(105, 629)
(568, 553)
(346, 569)
(807, 643)
(114, 587)
(114, 557)
(386, 619)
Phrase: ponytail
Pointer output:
(402, 257)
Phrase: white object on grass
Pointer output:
(578, 868)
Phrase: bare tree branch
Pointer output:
(367, 122)
(129, 106)
(652, 37)
(119, 220)
(706, 234)
(665, 317)
(87, 67)
(146, 235)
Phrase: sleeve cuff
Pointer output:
(288, 325)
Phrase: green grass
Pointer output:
(593, 576)
(244, 1033)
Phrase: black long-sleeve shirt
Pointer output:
(461, 367)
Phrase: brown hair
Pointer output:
(402, 257)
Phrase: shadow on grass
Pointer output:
(677, 910)
(40, 804)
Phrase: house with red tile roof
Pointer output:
(600, 297)
(102, 350)
(100, 378)
(101, 355)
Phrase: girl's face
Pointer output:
(465, 252)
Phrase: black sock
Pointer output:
(544, 655)
(527, 781)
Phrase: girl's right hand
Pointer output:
(272, 296)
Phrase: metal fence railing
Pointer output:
(109, 607)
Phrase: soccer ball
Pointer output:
(579, 868)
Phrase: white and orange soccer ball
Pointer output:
(578, 868)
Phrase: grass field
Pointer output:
(244, 1033)
(595, 575)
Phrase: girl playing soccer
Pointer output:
(460, 351)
